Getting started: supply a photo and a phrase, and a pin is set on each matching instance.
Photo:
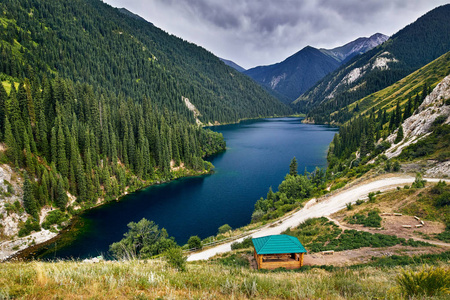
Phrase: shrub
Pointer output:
(429, 281)
(359, 202)
(54, 217)
(419, 182)
(349, 206)
(27, 227)
(373, 219)
(246, 243)
(371, 196)
(224, 229)
(143, 240)
(195, 242)
(175, 258)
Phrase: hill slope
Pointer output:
(411, 48)
(91, 42)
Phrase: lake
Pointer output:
(257, 157)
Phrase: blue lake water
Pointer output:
(257, 157)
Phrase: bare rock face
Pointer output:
(10, 192)
(419, 125)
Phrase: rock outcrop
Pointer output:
(420, 124)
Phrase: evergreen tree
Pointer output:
(293, 166)
(399, 136)
(28, 198)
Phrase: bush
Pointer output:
(246, 243)
(373, 219)
(195, 242)
(27, 227)
(224, 229)
(359, 202)
(175, 258)
(54, 217)
(419, 182)
(349, 206)
(429, 281)
(143, 240)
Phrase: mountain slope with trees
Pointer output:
(409, 49)
(92, 106)
(90, 42)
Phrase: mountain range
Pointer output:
(299, 72)
(406, 51)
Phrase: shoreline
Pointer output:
(46, 237)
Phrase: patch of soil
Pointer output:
(364, 255)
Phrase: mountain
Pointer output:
(301, 71)
(96, 103)
(233, 65)
(356, 47)
(296, 74)
(91, 42)
(409, 49)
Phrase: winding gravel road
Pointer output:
(314, 209)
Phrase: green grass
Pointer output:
(372, 219)
(218, 279)
(319, 234)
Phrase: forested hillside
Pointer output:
(411, 48)
(90, 42)
(379, 115)
(92, 107)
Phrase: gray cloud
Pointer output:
(257, 32)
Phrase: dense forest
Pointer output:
(90, 42)
(406, 51)
(68, 138)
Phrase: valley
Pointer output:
(134, 164)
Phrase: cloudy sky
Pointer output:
(262, 32)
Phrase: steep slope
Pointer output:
(401, 91)
(89, 41)
(233, 65)
(356, 47)
(411, 48)
(296, 74)
(419, 101)
(299, 72)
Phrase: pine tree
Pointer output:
(399, 136)
(28, 198)
(293, 166)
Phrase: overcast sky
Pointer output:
(262, 32)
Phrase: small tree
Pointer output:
(175, 258)
(195, 242)
(399, 136)
(419, 182)
(293, 167)
(224, 229)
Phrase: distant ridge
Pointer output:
(356, 47)
(233, 65)
(299, 72)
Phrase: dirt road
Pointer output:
(314, 209)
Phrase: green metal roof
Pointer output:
(276, 244)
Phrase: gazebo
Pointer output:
(276, 251)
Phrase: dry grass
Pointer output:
(154, 279)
